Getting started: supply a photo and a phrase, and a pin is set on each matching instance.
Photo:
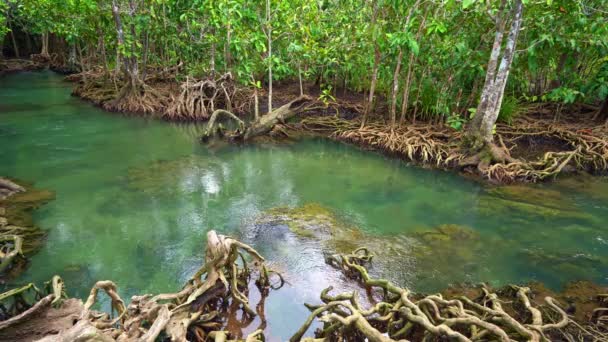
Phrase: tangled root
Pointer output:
(588, 150)
(428, 144)
(199, 98)
(195, 313)
(397, 315)
(138, 97)
(16, 238)
(585, 148)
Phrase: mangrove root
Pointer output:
(399, 315)
(198, 99)
(194, 313)
(260, 126)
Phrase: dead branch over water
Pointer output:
(196, 313)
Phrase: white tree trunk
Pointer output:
(482, 125)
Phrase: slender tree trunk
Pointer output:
(398, 68)
(480, 130)
(15, 46)
(396, 88)
(227, 54)
(145, 57)
(102, 47)
(45, 45)
(134, 65)
(300, 79)
(269, 33)
(121, 62)
(372, 87)
(212, 52)
(495, 102)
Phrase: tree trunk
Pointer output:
(121, 62)
(372, 87)
(269, 34)
(45, 45)
(134, 66)
(480, 131)
(212, 53)
(15, 46)
(300, 79)
(262, 124)
(227, 55)
(395, 88)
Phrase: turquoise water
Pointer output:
(135, 197)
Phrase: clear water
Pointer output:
(135, 198)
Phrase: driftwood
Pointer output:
(259, 126)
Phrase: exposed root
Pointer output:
(8, 66)
(194, 314)
(427, 144)
(585, 148)
(18, 237)
(138, 98)
(8, 188)
(198, 99)
(399, 315)
(264, 124)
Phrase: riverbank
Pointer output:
(379, 311)
(539, 145)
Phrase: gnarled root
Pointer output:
(138, 97)
(259, 127)
(198, 99)
(423, 143)
(194, 313)
(400, 315)
(8, 187)
(17, 236)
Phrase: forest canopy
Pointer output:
(441, 47)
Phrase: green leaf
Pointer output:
(467, 3)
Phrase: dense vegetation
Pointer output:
(459, 63)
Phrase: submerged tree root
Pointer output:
(196, 313)
(18, 237)
(583, 148)
(400, 315)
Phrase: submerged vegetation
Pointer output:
(19, 237)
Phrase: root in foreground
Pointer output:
(196, 313)
(398, 315)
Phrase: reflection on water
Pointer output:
(135, 198)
